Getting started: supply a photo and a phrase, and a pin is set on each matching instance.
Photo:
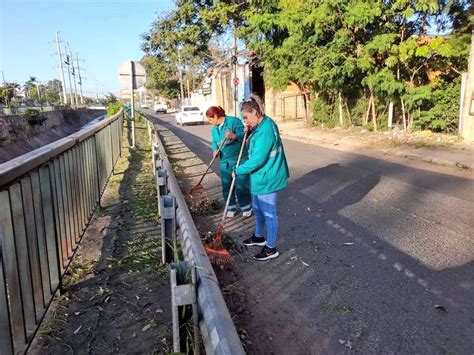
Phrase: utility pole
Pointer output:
(3, 78)
(68, 62)
(180, 77)
(236, 80)
(73, 75)
(61, 68)
(80, 79)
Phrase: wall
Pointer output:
(286, 104)
(18, 136)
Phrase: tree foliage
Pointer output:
(342, 54)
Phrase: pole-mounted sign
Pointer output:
(132, 75)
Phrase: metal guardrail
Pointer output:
(47, 198)
(216, 325)
(7, 111)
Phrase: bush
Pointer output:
(324, 113)
(34, 117)
(442, 113)
(113, 108)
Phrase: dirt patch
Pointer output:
(363, 138)
(116, 294)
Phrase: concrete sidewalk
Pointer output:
(440, 149)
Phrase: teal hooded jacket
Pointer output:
(266, 164)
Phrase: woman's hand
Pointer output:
(215, 153)
(231, 135)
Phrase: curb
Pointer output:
(456, 164)
(463, 165)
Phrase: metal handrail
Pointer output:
(15, 168)
(47, 198)
(219, 333)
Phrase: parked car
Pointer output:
(144, 105)
(189, 114)
(160, 107)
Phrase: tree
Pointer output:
(161, 76)
(7, 93)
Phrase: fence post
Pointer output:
(161, 186)
(168, 227)
(183, 293)
(154, 156)
(6, 344)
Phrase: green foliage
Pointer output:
(442, 111)
(113, 108)
(324, 112)
(160, 76)
(7, 92)
(34, 117)
(331, 49)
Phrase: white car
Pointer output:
(144, 105)
(189, 114)
(160, 107)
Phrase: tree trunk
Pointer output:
(341, 115)
(374, 113)
(305, 104)
(390, 114)
(366, 118)
(404, 115)
(348, 112)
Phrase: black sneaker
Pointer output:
(267, 253)
(253, 240)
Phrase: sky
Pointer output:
(105, 33)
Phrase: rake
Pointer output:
(218, 254)
(198, 186)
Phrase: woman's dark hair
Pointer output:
(254, 103)
(215, 111)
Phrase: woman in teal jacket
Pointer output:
(269, 174)
(231, 129)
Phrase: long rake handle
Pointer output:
(212, 161)
(231, 189)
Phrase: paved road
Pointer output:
(405, 285)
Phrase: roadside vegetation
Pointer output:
(356, 63)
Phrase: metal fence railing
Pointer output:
(47, 198)
(218, 331)
(7, 111)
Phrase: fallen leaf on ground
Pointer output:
(440, 307)
(146, 327)
(77, 330)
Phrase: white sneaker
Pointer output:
(230, 214)
(247, 214)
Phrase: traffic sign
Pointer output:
(131, 72)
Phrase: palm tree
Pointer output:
(32, 82)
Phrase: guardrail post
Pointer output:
(168, 227)
(183, 293)
(161, 186)
(154, 156)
